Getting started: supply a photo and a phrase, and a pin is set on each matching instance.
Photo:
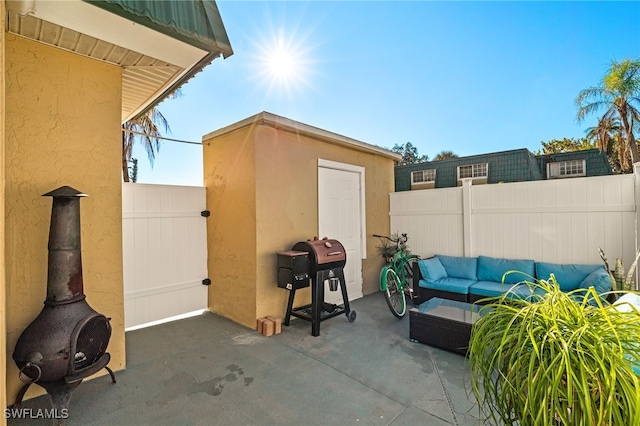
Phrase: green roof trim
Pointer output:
(195, 22)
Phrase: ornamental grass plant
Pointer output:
(562, 359)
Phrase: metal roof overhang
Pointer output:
(160, 45)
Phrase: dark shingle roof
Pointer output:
(596, 161)
(517, 165)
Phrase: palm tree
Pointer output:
(443, 155)
(147, 132)
(607, 137)
(619, 94)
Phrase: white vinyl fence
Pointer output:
(164, 251)
(559, 221)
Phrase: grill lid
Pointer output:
(323, 252)
(327, 250)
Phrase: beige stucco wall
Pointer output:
(229, 176)
(3, 288)
(62, 128)
(285, 210)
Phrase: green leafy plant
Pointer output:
(619, 280)
(556, 360)
(388, 249)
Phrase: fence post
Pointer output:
(466, 217)
(636, 187)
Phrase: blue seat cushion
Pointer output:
(517, 291)
(526, 292)
(489, 288)
(569, 276)
(432, 269)
(459, 267)
(635, 365)
(494, 269)
(453, 285)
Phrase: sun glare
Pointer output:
(282, 65)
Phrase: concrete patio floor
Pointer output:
(208, 370)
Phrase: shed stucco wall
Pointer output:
(62, 128)
(282, 178)
(287, 205)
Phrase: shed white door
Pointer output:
(339, 217)
(164, 238)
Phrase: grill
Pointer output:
(68, 340)
(315, 262)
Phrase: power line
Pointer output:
(161, 137)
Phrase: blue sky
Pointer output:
(468, 77)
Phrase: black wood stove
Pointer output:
(316, 262)
(67, 341)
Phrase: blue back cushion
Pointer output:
(598, 279)
(432, 269)
(569, 276)
(493, 269)
(459, 267)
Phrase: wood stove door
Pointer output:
(339, 217)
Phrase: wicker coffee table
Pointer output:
(443, 323)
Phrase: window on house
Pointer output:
(565, 169)
(423, 176)
(572, 168)
(479, 170)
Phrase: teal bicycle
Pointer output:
(396, 276)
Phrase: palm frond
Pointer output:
(150, 137)
(619, 95)
(146, 130)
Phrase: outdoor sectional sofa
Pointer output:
(469, 279)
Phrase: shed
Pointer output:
(272, 182)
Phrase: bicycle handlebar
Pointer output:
(402, 236)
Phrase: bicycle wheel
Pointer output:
(394, 295)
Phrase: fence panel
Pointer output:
(561, 221)
(165, 251)
(431, 218)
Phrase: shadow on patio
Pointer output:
(209, 370)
